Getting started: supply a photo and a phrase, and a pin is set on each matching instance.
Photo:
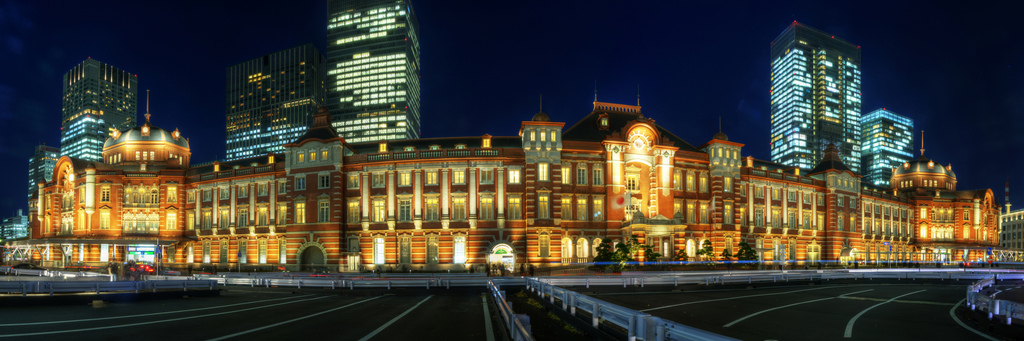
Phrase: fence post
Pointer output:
(389, 285)
(631, 329)
(97, 288)
(588, 283)
(623, 282)
(551, 296)
(300, 285)
(573, 299)
(594, 314)
(675, 281)
(641, 282)
(659, 332)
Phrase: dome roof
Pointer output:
(155, 134)
(720, 136)
(923, 165)
(541, 117)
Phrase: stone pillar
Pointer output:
(417, 198)
(499, 186)
(472, 173)
(445, 197)
(391, 199)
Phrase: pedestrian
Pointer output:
(522, 269)
(488, 267)
(531, 270)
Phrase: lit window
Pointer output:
(459, 252)
(542, 171)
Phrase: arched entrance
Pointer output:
(311, 258)
(503, 254)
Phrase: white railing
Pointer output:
(516, 330)
(50, 287)
(9, 271)
(978, 300)
(638, 325)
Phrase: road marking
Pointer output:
(487, 319)
(945, 304)
(734, 298)
(150, 314)
(158, 321)
(849, 325)
(789, 305)
(952, 314)
(385, 326)
(293, 320)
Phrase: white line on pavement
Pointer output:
(150, 314)
(849, 326)
(155, 322)
(293, 320)
(487, 319)
(789, 305)
(952, 314)
(734, 298)
(385, 326)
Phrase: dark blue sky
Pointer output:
(958, 71)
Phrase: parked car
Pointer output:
(27, 266)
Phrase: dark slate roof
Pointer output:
(768, 165)
(321, 128)
(444, 142)
(587, 129)
(920, 165)
(830, 161)
(226, 165)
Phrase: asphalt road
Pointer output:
(805, 312)
(263, 314)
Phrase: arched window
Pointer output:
(691, 249)
(924, 230)
(581, 248)
(566, 248)
(967, 231)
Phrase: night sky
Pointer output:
(957, 71)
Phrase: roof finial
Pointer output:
(719, 124)
(147, 105)
(541, 102)
(922, 142)
(595, 90)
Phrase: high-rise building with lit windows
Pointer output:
(271, 100)
(887, 143)
(98, 98)
(40, 167)
(373, 69)
(816, 97)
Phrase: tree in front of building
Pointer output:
(626, 253)
(746, 253)
(605, 254)
(706, 252)
(681, 255)
(726, 255)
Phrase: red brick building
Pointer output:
(547, 196)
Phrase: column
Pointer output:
(768, 207)
(814, 211)
(785, 206)
(750, 203)
(272, 187)
(445, 189)
(365, 191)
(417, 198)
(499, 186)
(232, 192)
(216, 206)
(197, 221)
(472, 173)
(252, 204)
(800, 208)
(391, 198)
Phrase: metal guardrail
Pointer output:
(638, 325)
(48, 287)
(978, 300)
(7, 270)
(516, 330)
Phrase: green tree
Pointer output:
(627, 252)
(681, 255)
(726, 255)
(706, 251)
(605, 253)
(746, 252)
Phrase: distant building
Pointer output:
(1011, 225)
(271, 100)
(816, 94)
(887, 142)
(40, 167)
(14, 227)
(98, 98)
(373, 73)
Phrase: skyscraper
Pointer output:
(14, 227)
(815, 97)
(271, 100)
(97, 99)
(373, 69)
(887, 142)
(40, 167)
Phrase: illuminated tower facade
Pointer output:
(40, 167)
(271, 100)
(887, 143)
(373, 69)
(98, 98)
(816, 97)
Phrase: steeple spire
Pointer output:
(147, 106)
(922, 142)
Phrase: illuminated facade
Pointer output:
(815, 97)
(14, 227)
(887, 142)
(271, 100)
(548, 196)
(98, 99)
(373, 69)
(40, 166)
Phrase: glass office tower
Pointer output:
(271, 100)
(97, 99)
(373, 69)
(815, 97)
(887, 143)
(40, 167)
